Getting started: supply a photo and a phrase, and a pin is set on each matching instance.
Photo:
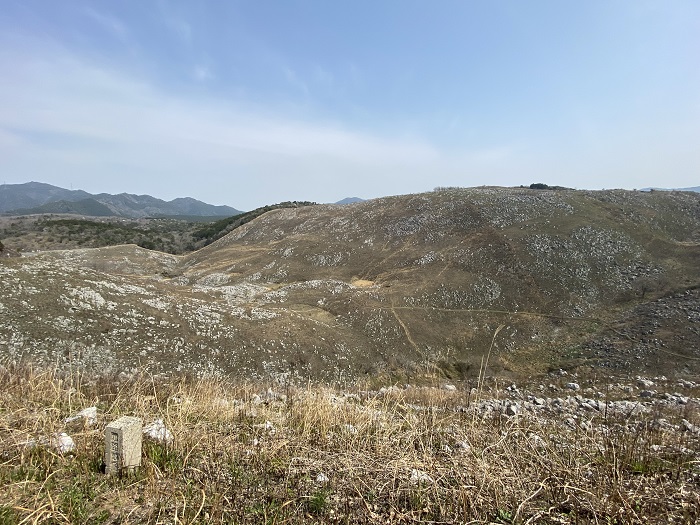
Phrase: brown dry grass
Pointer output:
(237, 460)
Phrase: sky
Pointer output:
(248, 103)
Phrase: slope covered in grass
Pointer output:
(250, 453)
(398, 287)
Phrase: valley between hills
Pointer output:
(433, 285)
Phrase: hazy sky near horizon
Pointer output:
(249, 103)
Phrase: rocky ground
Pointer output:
(662, 335)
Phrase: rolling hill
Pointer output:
(401, 287)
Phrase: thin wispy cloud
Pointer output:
(203, 73)
(295, 81)
(109, 22)
(180, 28)
(323, 76)
(174, 22)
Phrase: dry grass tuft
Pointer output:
(245, 454)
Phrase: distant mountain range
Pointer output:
(37, 197)
(694, 188)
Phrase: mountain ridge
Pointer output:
(37, 197)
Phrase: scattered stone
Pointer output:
(87, 416)
(256, 400)
(687, 425)
(645, 383)
(158, 432)
(449, 388)
(322, 478)
(63, 443)
(419, 477)
(512, 410)
(627, 408)
(661, 423)
(573, 386)
(463, 446)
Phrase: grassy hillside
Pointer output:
(248, 453)
(89, 207)
(439, 272)
(217, 229)
(405, 287)
(59, 230)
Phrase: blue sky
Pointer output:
(250, 103)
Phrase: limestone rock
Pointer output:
(645, 383)
(157, 431)
(63, 443)
(88, 416)
(322, 479)
(511, 410)
(419, 477)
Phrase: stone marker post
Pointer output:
(123, 444)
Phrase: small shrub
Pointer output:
(318, 502)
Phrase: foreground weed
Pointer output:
(318, 502)
(164, 458)
(268, 512)
(8, 516)
(504, 516)
(76, 500)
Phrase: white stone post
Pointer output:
(123, 444)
